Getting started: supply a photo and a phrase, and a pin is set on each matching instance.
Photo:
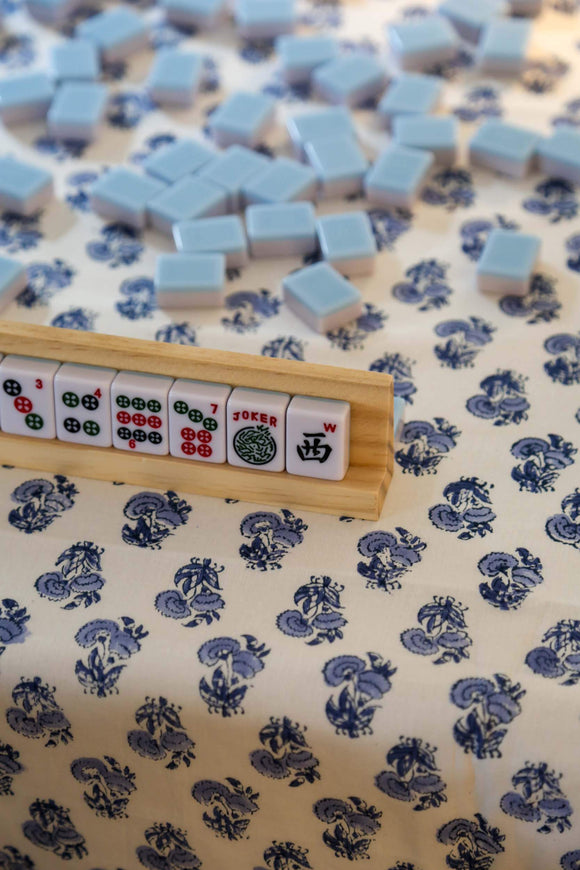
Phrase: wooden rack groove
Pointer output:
(360, 494)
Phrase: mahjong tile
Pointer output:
(26, 396)
(257, 429)
(139, 412)
(82, 398)
(197, 420)
(317, 437)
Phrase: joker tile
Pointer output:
(256, 429)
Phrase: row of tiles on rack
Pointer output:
(154, 414)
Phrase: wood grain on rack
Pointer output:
(370, 394)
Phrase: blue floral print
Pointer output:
(503, 399)
(353, 335)
(249, 309)
(468, 511)
(560, 655)
(538, 797)
(364, 683)
(352, 826)
(177, 333)
(511, 578)
(573, 248)
(401, 368)
(474, 233)
(17, 50)
(542, 461)
(565, 368)
(50, 827)
(479, 102)
(44, 281)
(555, 199)
(284, 347)
(111, 645)
(492, 704)
(19, 232)
(109, 785)
(441, 632)
(388, 557)
(539, 305)
(60, 149)
(80, 184)
(139, 298)
(198, 592)
(426, 286)
(234, 665)
(12, 858)
(13, 619)
(10, 767)
(564, 528)
(389, 225)
(168, 848)
(37, 715)
(428, 445)
(161, 734)
(285, 753)
(119, 245)
(126, 109)
(541, 75)
(452, 188)
(474, 845)
(40, 503)
(79, 579)
(571, 860)
(413, 774)
(75, 318)
(152, 144)
(317, 615)
(229, 807)
(570, 117)
(153, 516)
(271, 536)
(285, 856)
(465, 339)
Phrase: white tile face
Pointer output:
(317, 437)
(27, 396)
(82, 401)
(139, 412)
(257, 429)
(197, 420)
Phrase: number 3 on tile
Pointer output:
(38, 384)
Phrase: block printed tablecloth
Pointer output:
(189, 682)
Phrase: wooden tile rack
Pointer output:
(360, 494)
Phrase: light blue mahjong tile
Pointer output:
(242, 119)
(560, 155)
(398, 416)
(232, 169)
(396, 177)
(188, 198)
(178, 159)
(51, 11)
(116, 32)
(256, 19)
(503, 147)
(175, 76)
(24, 188)
(12, 280)
(123, 195)
(339, 163)
(281, 230)
(347, 242)
(503, 46)
(189, 280)
(333, 121)
(412, 93)
(507, 262)
(422, 42)
(199, 13)
(25, 97)
(350, 80)
(222, 235)
(283, 180)
(437, 134)
(300, 55)
(77, 110)
(75, 59)
(470, 18)
(321, 297)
